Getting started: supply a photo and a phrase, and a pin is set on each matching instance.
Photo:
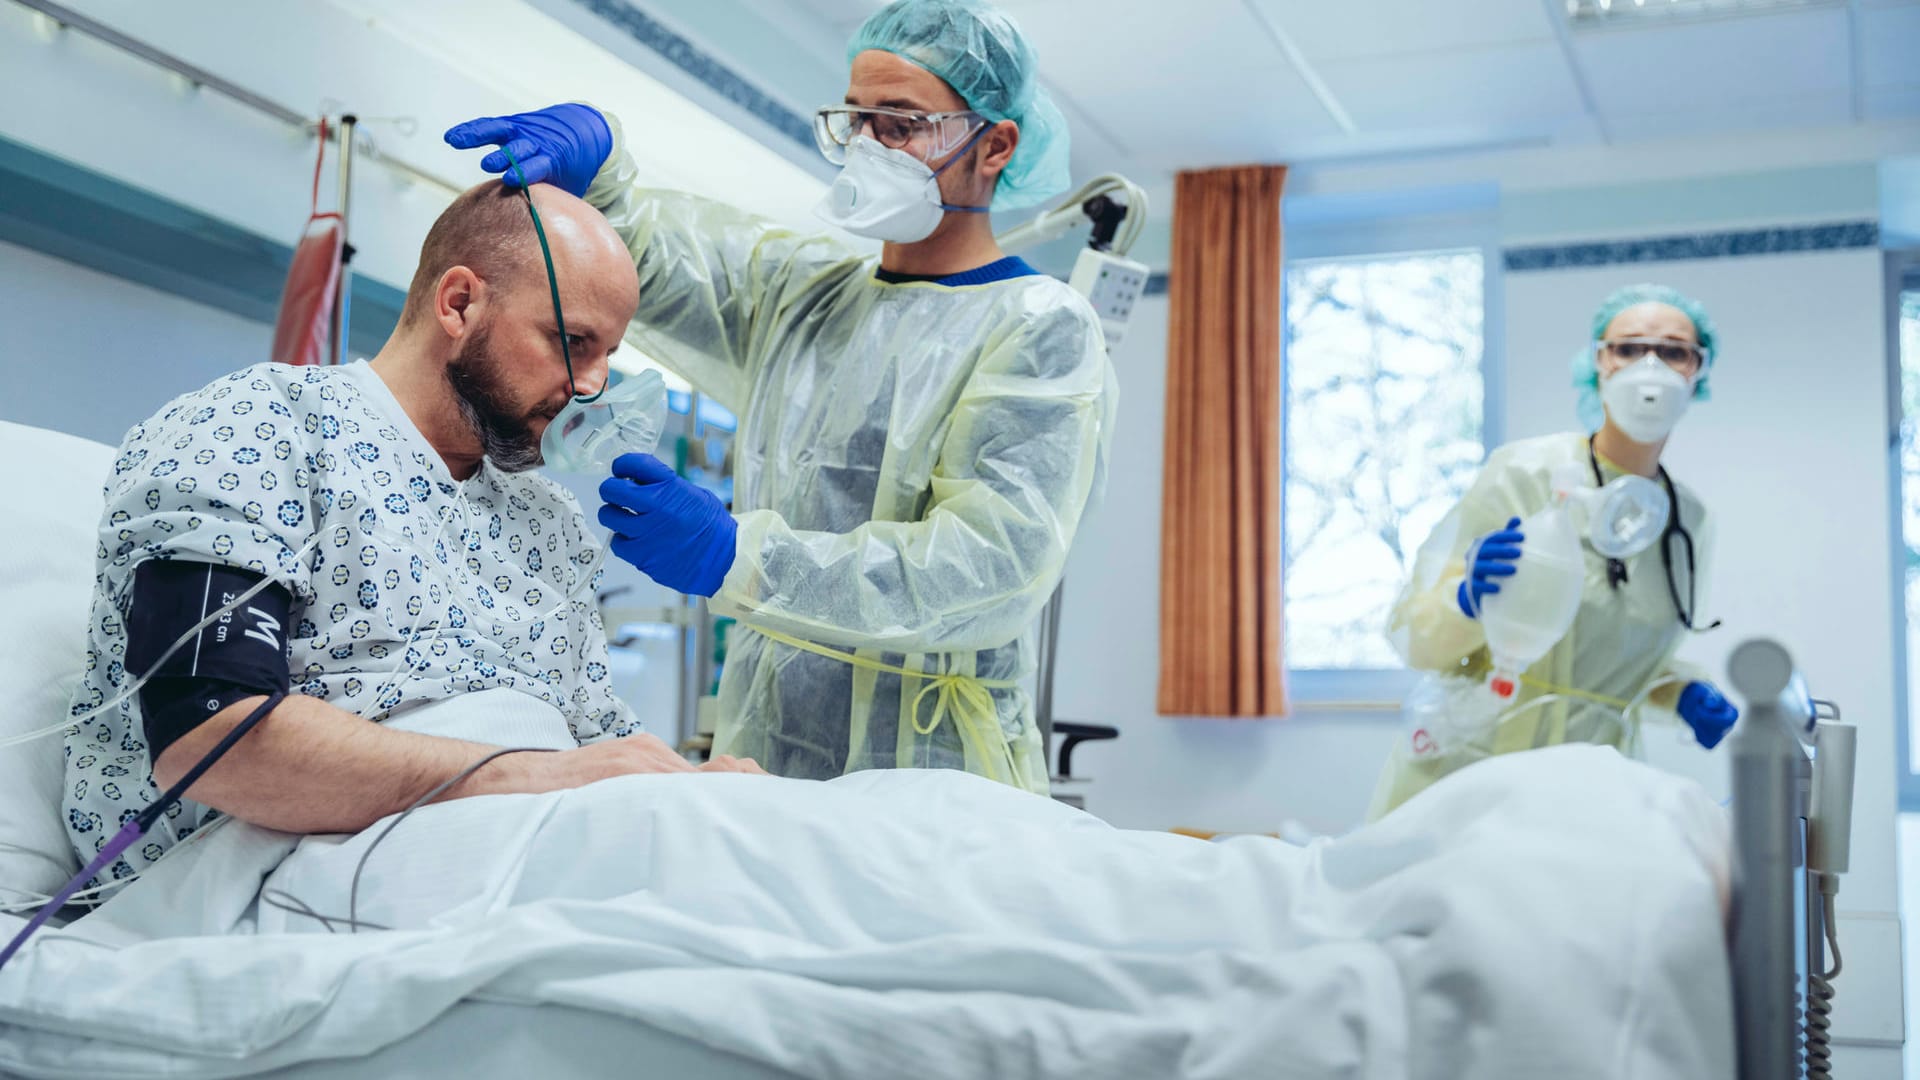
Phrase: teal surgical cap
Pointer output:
(1586, 376)
(979, 51)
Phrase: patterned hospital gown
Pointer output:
(409, 587)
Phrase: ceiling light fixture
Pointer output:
(1588, 14)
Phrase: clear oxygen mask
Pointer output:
(1619, 519)
(626, 419)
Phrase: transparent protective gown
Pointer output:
(912, 463)
(1620, 646)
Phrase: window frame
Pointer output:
(1902, 277)
(1382, 689)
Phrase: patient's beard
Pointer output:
(505, 431)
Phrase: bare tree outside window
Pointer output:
(1383, 433)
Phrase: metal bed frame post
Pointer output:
(1772, 778)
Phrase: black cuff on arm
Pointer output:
(242, 654)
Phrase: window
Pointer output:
(1384, 429)
(1910, 504)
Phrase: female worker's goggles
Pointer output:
(1682, 356)
(927, 136)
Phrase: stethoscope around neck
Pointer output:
(1617, 568)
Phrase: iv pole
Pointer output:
(341, 315)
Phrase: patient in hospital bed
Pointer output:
(1556, 914)
(409, 556)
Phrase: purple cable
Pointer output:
(122, 840)
(137, 826)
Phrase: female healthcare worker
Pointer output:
(1651, 354)
(918, 438)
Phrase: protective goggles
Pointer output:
(1682, 356)
(927, 136)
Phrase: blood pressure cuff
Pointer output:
(239, 655)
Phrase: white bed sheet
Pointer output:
(479, 1040)
(485, 1040)
(1556, 913)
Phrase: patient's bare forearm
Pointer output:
(310, 766)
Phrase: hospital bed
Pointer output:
(1760, 1016)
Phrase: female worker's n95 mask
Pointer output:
(626, 419)
(1646, 398)
(889, 194)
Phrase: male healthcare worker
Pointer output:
(1649, 356)
(918, 438)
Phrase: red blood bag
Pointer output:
(302, 333)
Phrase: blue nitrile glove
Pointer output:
(563, 145)
(674, 532)
(1707, 712)
(1493, 557)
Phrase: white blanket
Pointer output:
(1547, 914)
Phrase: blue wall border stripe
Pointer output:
(1837, 236)
(1741, 243)
(709, 70)
(61, 209)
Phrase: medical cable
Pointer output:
(1620, 709)
(124, 839)
(352, 920)
(570, 596)
(255, 590)
(1070, 211)
(396, 679)
(192, 632)
(1623, 707)
(553, 281)
(403, 671)
(286, 901)
(1614, 709)
(234, 605)
(1819, 1037)
(94, 895)
(32, 901)
(137, 826)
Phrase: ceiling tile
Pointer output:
(1828, 109)
(1487, 86)
(1893, 103)
(1152, 86)
(1208, 86)
(1718, 65)
(1890, 45)
(1351, 29)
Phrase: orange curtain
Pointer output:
(1220, 502)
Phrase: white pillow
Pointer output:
(50, 486)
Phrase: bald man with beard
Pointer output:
(412, 559)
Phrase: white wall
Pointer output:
(91, 354)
